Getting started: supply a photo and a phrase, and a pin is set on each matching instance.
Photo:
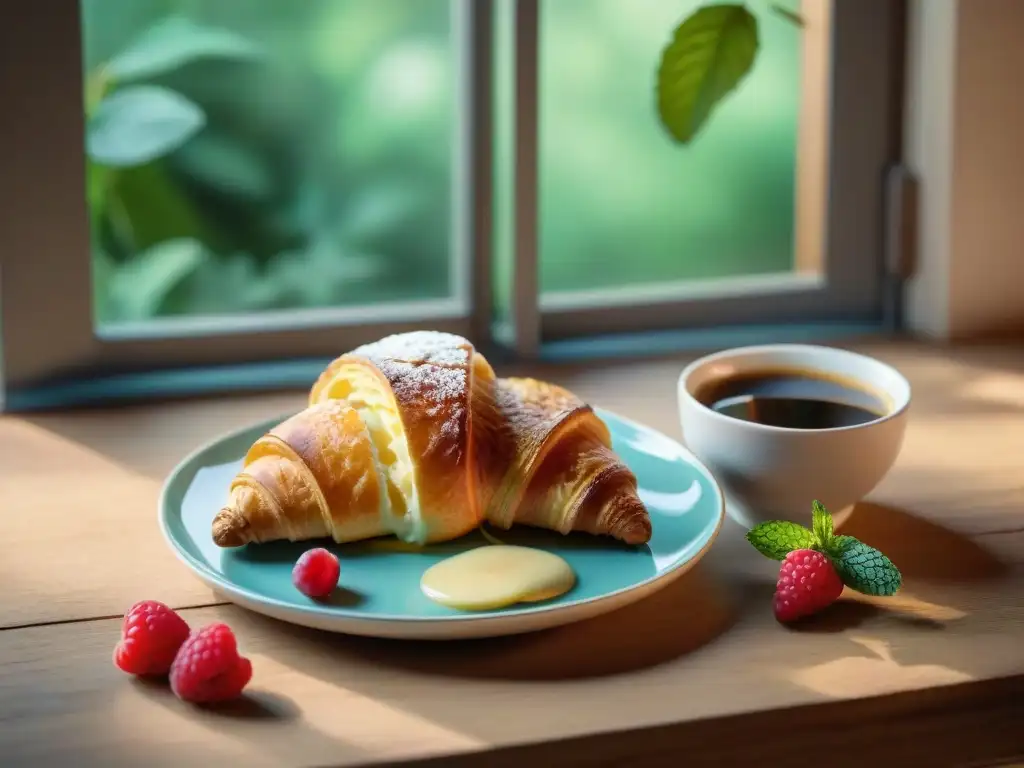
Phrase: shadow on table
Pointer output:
(261, 727)
(851, 612)
(922, 549)
(924, 552)
(931, 558)
(679, 619)
(252, 705)
(675, 621)
(432, 700)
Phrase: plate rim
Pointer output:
(216, 581)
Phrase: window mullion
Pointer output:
(525, 303)
(473, 205)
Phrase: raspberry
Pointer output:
(208, 668)
(316, 573)
(807, 583)
(151, 634)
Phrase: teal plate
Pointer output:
(379, 592)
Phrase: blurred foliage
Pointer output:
(621, 202)
(245, 156)
(248, 155)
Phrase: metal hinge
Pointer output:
(899, 244)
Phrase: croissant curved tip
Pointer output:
(630, 523)
(636, 532)
(229, 529)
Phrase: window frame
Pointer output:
(860, 135)
(46, 323)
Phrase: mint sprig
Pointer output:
(865, 569)
(821, 525)
(777, 538)
(861, 567)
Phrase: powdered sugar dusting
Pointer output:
(429, 375)
(419, 347)
(423, 381)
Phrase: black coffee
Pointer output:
(794, 399)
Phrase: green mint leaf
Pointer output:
(821, 525)
(864, 568)
(777, 538)
(711, 52)
(838, 545)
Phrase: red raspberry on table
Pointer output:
(208, 668)
(807, 583)
(316, 573)
(151, 635)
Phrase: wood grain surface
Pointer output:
(934, 676)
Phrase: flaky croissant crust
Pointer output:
(415, 436)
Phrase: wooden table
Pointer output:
(698, 674)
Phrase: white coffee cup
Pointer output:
(774, 473)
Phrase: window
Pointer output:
(773, 213)
(238, 150)
(233, 181)
(222, 182)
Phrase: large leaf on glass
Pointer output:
(139, 124)
(139, 287)
(710, 54)
(174, 42)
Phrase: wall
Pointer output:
(965, 106)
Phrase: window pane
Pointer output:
(620, 202)
(254, 155)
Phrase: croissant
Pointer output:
(562, 474)
(311, 476)
(406, 401)
(415, 436)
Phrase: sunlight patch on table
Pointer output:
(996, 389)
(907, 605)
(29, 452)
(862, 676)
(373, 726)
